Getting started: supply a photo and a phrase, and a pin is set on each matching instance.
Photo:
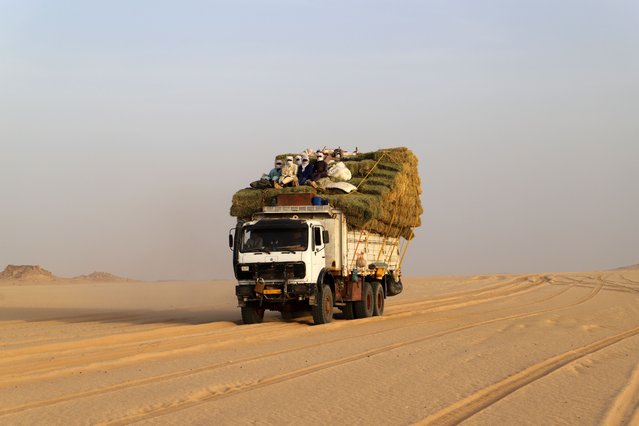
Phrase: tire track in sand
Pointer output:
(186, 373)
(98, 351)
(609, 283)
(625, 408)
(506, 289)
(36, 365)
(55, 367)
(620, 287)
(476, 402)
(181, 374)
(209, 395)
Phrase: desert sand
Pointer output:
(557, 348)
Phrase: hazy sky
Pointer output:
(126, 126)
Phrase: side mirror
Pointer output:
(230, 241)
(325, 236)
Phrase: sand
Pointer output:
(484, 350)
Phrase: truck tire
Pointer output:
(364, 308)
(348, 311)
(252, 314)
(323, 310)
(378, 296)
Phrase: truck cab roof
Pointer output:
(273, 222)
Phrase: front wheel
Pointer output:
(323, 310)
(252, 314)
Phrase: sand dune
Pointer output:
(492, 349)
(629, 267)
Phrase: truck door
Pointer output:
(318, 252)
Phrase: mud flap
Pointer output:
(312, 300)
(313, 296)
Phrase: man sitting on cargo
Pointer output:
(269, 180)
(305, 171)
(289, 174)
(275, 173)
(319, 170)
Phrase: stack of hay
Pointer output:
(386, 202)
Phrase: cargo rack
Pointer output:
(297, 209)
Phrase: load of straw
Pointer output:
(387, 200)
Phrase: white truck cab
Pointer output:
(291, 258)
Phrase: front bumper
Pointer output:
(276, 292)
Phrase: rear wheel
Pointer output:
(364, 307)
(323, 310)
(252, 314)
(378, 295)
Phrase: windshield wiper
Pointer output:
(291, 249)
(257, 251)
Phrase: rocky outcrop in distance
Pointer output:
(38, 273)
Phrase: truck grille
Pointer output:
(271, 271)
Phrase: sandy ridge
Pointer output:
(461, 410)
(625, 408)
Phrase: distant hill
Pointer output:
(101, 277)
(26, 273)
(627, 268)
(38, 274)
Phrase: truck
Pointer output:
(290, 258)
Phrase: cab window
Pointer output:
(317, 236)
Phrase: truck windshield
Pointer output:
(268, 239)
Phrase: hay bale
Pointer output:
(379, 190)
(387, 200)
(246, 202)
(362, 168)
